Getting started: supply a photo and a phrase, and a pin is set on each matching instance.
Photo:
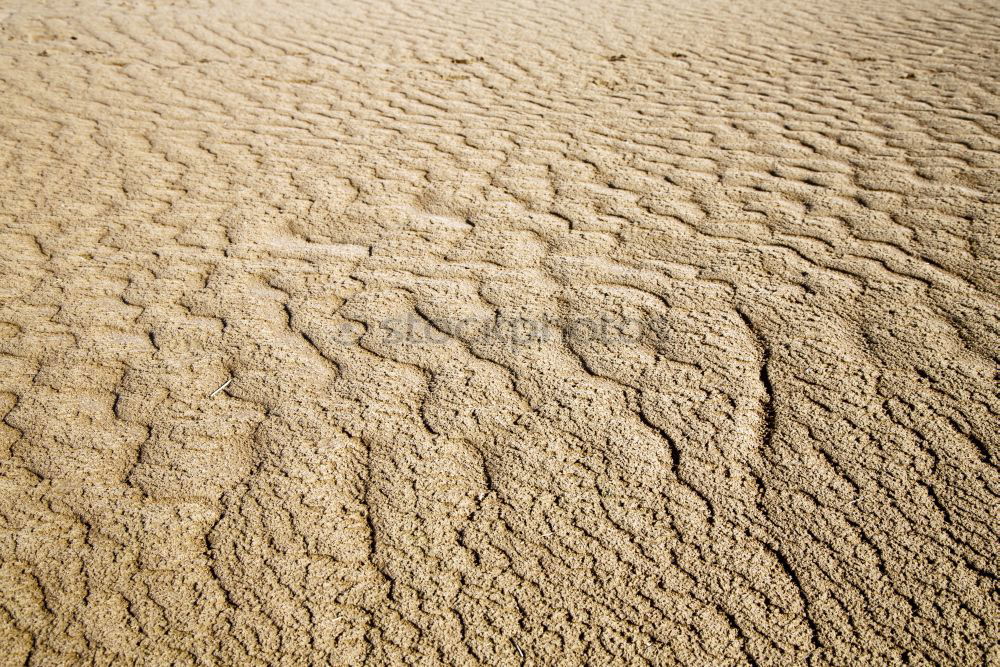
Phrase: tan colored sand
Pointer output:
(394, 227)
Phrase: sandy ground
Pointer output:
(499, 332)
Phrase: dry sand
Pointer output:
(300, 346)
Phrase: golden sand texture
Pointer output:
(502, 332)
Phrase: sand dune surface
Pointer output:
(515, 332)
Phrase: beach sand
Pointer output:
(499, 333)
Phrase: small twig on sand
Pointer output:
(519, 651)
(224, 385)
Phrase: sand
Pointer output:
(546, 333)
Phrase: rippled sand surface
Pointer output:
(508, 332)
